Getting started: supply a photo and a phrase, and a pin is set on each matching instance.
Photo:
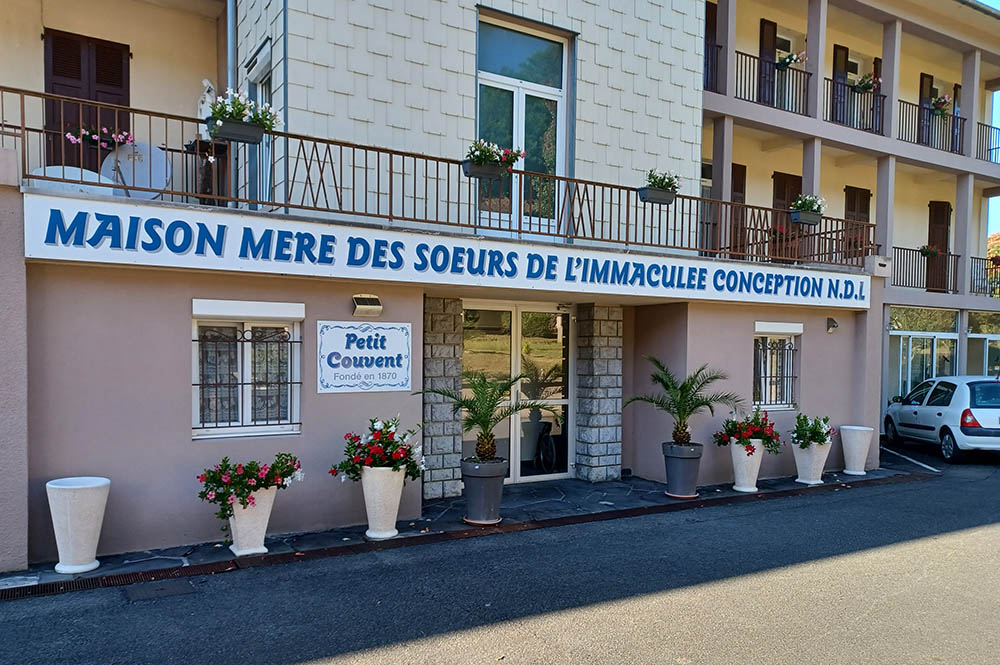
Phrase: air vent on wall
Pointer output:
(367, 304)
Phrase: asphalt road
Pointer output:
(906, 573)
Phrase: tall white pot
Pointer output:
(810, 462)
(746, 467)
(383, 488)
(248, 526)
(856, 441)
(77, 507)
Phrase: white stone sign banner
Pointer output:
(143, 234)
(362, 357)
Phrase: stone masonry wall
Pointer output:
(599, 393)
(442, 433)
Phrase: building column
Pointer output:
(816, 55)
(13, 371)
(965, 190)
(725, 35)
(722, 158)
(442, 431)
(812, 158)
(971, 62)
(892, 34)
(599, 392)
(869, 340)
(885, 194)
(962, 357)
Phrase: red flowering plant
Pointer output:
(383, 446)
(755, 426)
(226, 483)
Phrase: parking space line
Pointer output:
(910, 459)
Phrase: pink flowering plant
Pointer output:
(754, 426)
(226, 483)
(384, 445)
(484, 153)
(939, 104)
(103, 137)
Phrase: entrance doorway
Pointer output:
(536, 341)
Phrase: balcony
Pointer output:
(767, 83)
(329, 179)
(912, 269)
(845, 104)
(985, 276)
(988, 143)
(922, 125)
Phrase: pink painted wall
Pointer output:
(109, 356)
(686, 336)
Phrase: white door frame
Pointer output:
(569, 426)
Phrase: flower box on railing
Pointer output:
(234, 130)
(809, 217)
(657, 196)
(483, 171)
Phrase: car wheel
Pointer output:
(949, 449)
(891, 435)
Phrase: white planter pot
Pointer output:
(383, 488)
(810, 462)
(856, 441)
(746, 467)
(77, 507)
(248, 526)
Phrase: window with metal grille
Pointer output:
(774, 375)
(246, 378)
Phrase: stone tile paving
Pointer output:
(521, 503)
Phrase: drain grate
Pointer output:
(156, 590)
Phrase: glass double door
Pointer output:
(533, 342)
(914, 358)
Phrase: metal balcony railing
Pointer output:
(713, 54)
(988, 143)
(921, 124)
(913, 269)
(984, 276)
(845, 105)
(770, 84)
(337, 180)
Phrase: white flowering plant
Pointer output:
(384, 445)
(484, 153)
(663, 180)
(226, 483)
(809, 203)
(790, 59)
(238, 106)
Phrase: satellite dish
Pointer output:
(72, 180)
(137, 165)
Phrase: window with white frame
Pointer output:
(246, 370)
(522, 104)
(774, 366)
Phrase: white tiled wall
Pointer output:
(402, 74)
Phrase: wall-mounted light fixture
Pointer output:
(367, 304)
(831, 325)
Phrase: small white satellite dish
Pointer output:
(73, 180)
(138, 165)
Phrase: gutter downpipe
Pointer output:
(284, 85)
(231, 83)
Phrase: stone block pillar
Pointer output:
(599, 392)
(442, 433)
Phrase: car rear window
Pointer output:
(984, 395)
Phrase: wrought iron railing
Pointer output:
(774, 371)
(771, 84)
(918, 269)
(713, 54)
(984, 276)
(334, 179)
(845, 104)
(923, 125)
(988, 143)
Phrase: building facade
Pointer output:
(180, 298)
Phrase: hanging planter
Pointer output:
(658, 196)
(245, 496)
(381, 459)
(238, 118)
(811, 442)
(807, 209)
(661, 187)
(484, 171)
(235, 130)
(748, 439)
(489, 161)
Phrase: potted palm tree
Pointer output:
(486, 403)
(682, 400)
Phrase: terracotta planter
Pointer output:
(856, 440)
(810, 462)
(658, 196)
(248, 526)
(383, 488)
(746, 467)
(77, 507)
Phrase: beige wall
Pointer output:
(685, 336)
(172, 51)
(110, 394)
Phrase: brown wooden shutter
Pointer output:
(787, 188)
(857, 204)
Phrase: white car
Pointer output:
(956, 412)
